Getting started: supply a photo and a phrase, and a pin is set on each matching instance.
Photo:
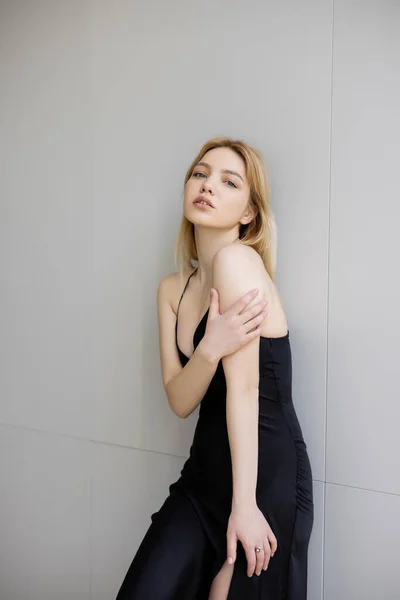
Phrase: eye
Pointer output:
(233, 184)
(198, 173)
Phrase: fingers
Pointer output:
(254, 315)
(256, 322)
(231, 547)
(268, 549)
(251, 559)
(251, 335)
(253, 327)
(267, 554)
(241, 304)
(273, 543)
(214, 303)
(259, 559)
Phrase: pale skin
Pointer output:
(234, 325)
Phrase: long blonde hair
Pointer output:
(260, 233)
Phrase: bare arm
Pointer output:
(186, 390)
(185, 387)
(225, 333)
(235, 268)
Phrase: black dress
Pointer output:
(185, 546)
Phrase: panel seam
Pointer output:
(327, 303)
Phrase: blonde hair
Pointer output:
(260, 233)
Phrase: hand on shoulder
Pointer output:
(238, 268)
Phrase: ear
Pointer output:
(250, 214)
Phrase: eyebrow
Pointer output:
(204, 164)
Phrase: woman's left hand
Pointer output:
(248, 525)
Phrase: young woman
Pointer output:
(236, 524)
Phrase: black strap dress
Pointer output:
(185, 545)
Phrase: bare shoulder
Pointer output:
(240, 261)
(237, 251)
(170, 287)
(167, 301)
(237, 269)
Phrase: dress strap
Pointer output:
(184, 290)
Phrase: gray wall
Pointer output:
(103, 106)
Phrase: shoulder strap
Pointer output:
(184, 290)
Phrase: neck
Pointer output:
(208, 242)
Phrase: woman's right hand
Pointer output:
(237, 326)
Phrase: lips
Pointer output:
(204, 200)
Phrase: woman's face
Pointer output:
(220, 179)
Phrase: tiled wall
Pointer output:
(103, 106)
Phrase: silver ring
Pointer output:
(257, 549)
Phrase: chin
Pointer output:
(195, 215)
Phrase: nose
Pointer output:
(206, 186)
